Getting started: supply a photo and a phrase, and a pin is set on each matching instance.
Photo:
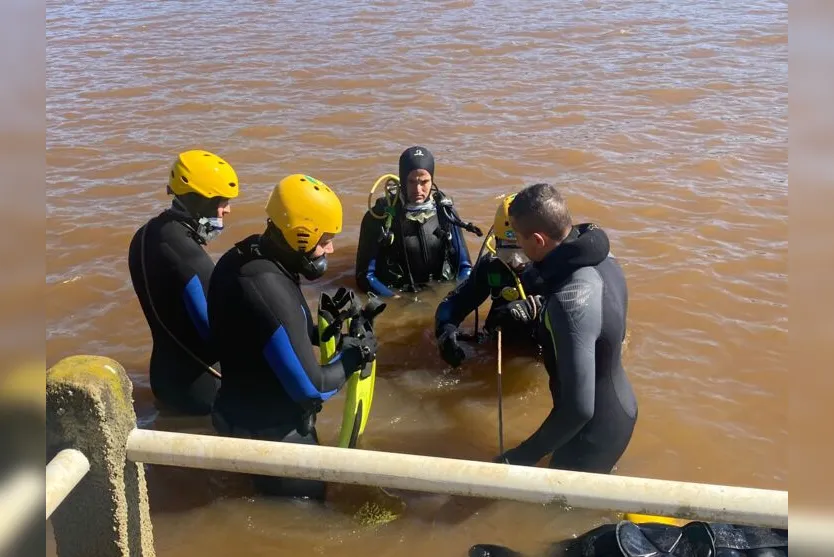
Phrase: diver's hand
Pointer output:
(450, 349)
(358, 352)
(521, 312)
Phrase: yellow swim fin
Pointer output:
(359, 392)
(647, 518)
(359, 388)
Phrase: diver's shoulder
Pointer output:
(590, 275)
(583, 288)
(610, 269)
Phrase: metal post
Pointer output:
(461, 477)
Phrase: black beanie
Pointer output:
(414, 158)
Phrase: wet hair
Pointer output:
(540, 208)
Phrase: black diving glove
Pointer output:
(358, 352)
(519, 312)
(342, 305)
(450, 349)
(343, 302)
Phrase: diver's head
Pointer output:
(416, 174)
(540, 218)
(304, 215)
(506, 244)
(202, 185)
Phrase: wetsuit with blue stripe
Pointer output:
(178, 270)
(584, 322)
(273, 385)
(428, 251)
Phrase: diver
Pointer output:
(412, 235)
(170, 271)
(655, 539)
(273, 385)
(583, 321)
(505, 276)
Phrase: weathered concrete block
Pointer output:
(89, 407)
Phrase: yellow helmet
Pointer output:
(203, 173)
(304, 209)
(501, 225)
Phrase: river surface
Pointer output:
(664, 122)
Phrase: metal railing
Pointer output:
(625, 494)
(63, 473)
(89, 409)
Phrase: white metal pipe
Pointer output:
(21, 494)
(62, 475)
(461, 477)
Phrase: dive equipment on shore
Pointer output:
(655, 539)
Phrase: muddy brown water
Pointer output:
(664, 122)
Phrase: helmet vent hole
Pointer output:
(302, 179)
(172, 174)
(316, 188)
(232, 185)
(184, 179)
(206, 155)
(220, 162)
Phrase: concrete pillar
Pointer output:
(89, 407)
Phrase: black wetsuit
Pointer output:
(696, 539)
(423, 252)
(584, 322)
(178, 270)
(492, 278)
(273, 385)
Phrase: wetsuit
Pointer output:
(492, 279)
(425, 248)
(273, 385)
(584, 321)
(495, 279)
(696, 539)
(178, 270)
